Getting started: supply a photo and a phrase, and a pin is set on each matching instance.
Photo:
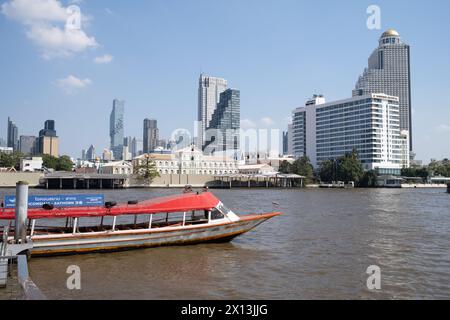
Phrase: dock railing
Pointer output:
(29, 289)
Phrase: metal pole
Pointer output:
(20, 232)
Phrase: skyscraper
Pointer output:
(116, 127)
(223, 131)
(13, 136)
(90, 153)
(151, 135)
(27, 145)
(209, 90)
(388, 72)
(136, 147)
(48, 142)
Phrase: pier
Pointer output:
(15, 281)
(71, 180)
(258, 181)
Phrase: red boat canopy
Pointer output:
(178, 203)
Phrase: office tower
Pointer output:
(151, 135)
(13, 136)
(27, 145)
(223, 131)
(107, 155)
(3, 143)
(299, 126)
(127, 141)
(389, 72)
(90, 153)
(209, 90)
(133, 149)
(83, 154)
(116, 128)
(287, 140)
(370, 124)
(48, 141)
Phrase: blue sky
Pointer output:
(278, 53)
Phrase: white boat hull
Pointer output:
(143, 238)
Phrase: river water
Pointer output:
(319, 249)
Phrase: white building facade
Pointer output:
(189, 161)
(370, 124)
(117, 167)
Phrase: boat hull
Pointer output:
(134, 239)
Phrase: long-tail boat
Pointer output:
(189, 218)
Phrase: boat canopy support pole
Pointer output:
(33, 224)
(184, 219)
(150, 221)
(114, 224)
(75, 224)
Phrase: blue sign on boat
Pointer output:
(72, 200)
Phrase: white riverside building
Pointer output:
(190, 161)
(370, 124)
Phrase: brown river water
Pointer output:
(319, 249)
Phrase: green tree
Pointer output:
(369, 179)
(415, 172)
(285, 167)
(50, 162)
(11, 160)
(64, 164)
(303, 167)
(146, 170)
(350, 168)
(326, 171)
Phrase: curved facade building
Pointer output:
(388, 72)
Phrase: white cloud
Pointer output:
(72, 84)
(45, 23)
(443, 128)
(267, 121)
(30, 12)
(107, 58)
(56, 42)
(247, 124)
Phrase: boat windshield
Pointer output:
(223, 208)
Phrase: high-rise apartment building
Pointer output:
(116, 128)
(151, 135)
(369, 124)
(209, 90)
(389, 72)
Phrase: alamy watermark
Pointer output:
(374, 19)
(374, 280)
(74, 280)
(73, 21)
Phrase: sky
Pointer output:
(151, 53)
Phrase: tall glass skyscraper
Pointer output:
(223, 131)
(151, 135)
(13, 135)
(209, 90)
(116, 127)
(389, 73)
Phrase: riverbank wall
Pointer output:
(9, 179)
